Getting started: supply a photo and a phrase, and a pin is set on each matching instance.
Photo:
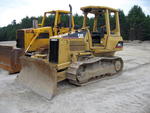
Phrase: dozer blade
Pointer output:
(9, 58)
(39, 76)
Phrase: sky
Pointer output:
(18, 9)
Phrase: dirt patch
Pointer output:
(128, 92)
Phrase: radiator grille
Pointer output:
(20, 39)
(54, 49)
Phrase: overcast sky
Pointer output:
(18, 9)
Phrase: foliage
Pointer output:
(136, 23)
(123, 25)
(134, 26)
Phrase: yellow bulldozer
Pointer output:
(30, 40)
(80, 56)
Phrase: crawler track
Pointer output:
(87, 71)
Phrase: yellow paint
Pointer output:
(71, 50)
(32, 43)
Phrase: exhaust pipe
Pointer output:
(70, 19)
(35, 23)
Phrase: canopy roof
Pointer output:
(93, 9)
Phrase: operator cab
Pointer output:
(103, 22)
(58, 20)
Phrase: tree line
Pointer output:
(134, 26)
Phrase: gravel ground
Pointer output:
(127, 92)
(8, 43)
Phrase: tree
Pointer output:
(147, 28)
(26, 22)
(136, 19)
(13, 22)
(123, 25)
(134, 26)
(78, 19)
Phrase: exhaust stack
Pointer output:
(70, 19)
(35, 23)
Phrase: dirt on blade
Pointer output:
(39, 76)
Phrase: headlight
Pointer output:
(119, 44)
